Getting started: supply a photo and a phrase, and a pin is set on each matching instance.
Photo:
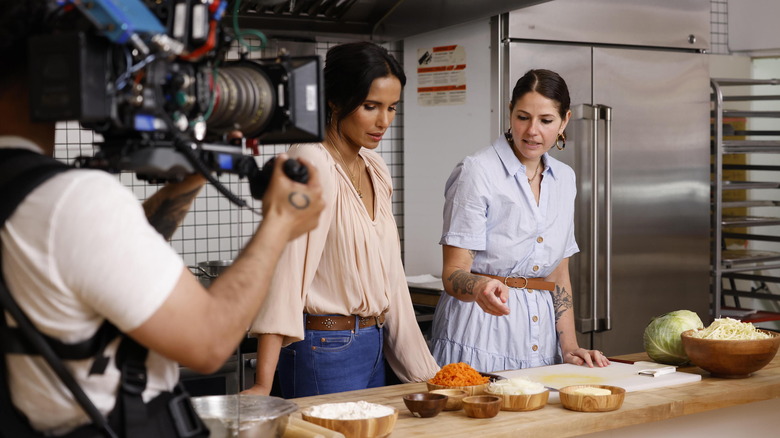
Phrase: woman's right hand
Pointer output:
(492, 296)
(298, 206)
(257, 389)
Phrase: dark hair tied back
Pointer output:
(350, 69)
(547, 83)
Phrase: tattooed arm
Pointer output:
(229, 306)
(166, 209)
(491, 295)
(563, 304)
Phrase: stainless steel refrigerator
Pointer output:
(639, 144)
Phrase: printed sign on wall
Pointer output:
(441, 75)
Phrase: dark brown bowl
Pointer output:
(731, 359)
(482, 406)
(425, 404)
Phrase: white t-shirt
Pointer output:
(76, 251)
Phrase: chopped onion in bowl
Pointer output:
(515, 386)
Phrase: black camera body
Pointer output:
(162, 95)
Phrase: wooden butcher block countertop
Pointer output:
(639, 407)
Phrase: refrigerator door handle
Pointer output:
(605, 114)
(599, 159)
(589, 114)
(594, 222)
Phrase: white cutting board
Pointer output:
(616, 374)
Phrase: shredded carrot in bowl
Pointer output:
(458, 374)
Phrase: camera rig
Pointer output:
(151, 77)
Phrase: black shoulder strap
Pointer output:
(21, 171)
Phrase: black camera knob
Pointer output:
(294, 170)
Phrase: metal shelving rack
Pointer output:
(728, 264)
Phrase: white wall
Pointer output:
(436, 138)
(753, 26)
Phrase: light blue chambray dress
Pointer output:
(490, 209)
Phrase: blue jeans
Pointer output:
(328, 361)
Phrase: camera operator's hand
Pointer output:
(297, 205)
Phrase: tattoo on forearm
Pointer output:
(463, 282)
(473, 254)
(561, 301)
(166, 215)
(299, 200)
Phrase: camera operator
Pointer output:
(78, 250)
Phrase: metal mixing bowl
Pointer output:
(210, 270)
(244, 416)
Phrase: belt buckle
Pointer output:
(379, 323)
(506, 279)
(526, 282)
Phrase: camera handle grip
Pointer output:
(258, 183)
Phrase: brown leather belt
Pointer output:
(523, 282)
(342, 322)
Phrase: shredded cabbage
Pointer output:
(730, 329)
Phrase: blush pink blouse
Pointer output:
(349, 265)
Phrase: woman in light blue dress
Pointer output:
(507, 237)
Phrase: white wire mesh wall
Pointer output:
(719, 27)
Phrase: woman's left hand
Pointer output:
(582, 356)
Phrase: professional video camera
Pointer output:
(151, 78)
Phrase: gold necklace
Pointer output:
(536, 172)
(349, 172)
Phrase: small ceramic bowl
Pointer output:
(454, 398)
(571, 399)
(482, 406)
(523, 402)
(425, 404)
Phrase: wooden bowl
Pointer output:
(592, 403)
(378, 427)
(470, 390)
(733, 359)
(425, 404)
(454, 398)
(482, 406)
(522, 402)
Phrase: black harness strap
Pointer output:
(21, 172)
(17, 343)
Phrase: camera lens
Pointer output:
(244, 100)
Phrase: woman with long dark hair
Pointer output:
(341, 305)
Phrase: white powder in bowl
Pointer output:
(349, 410)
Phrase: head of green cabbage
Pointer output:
(662, 336)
